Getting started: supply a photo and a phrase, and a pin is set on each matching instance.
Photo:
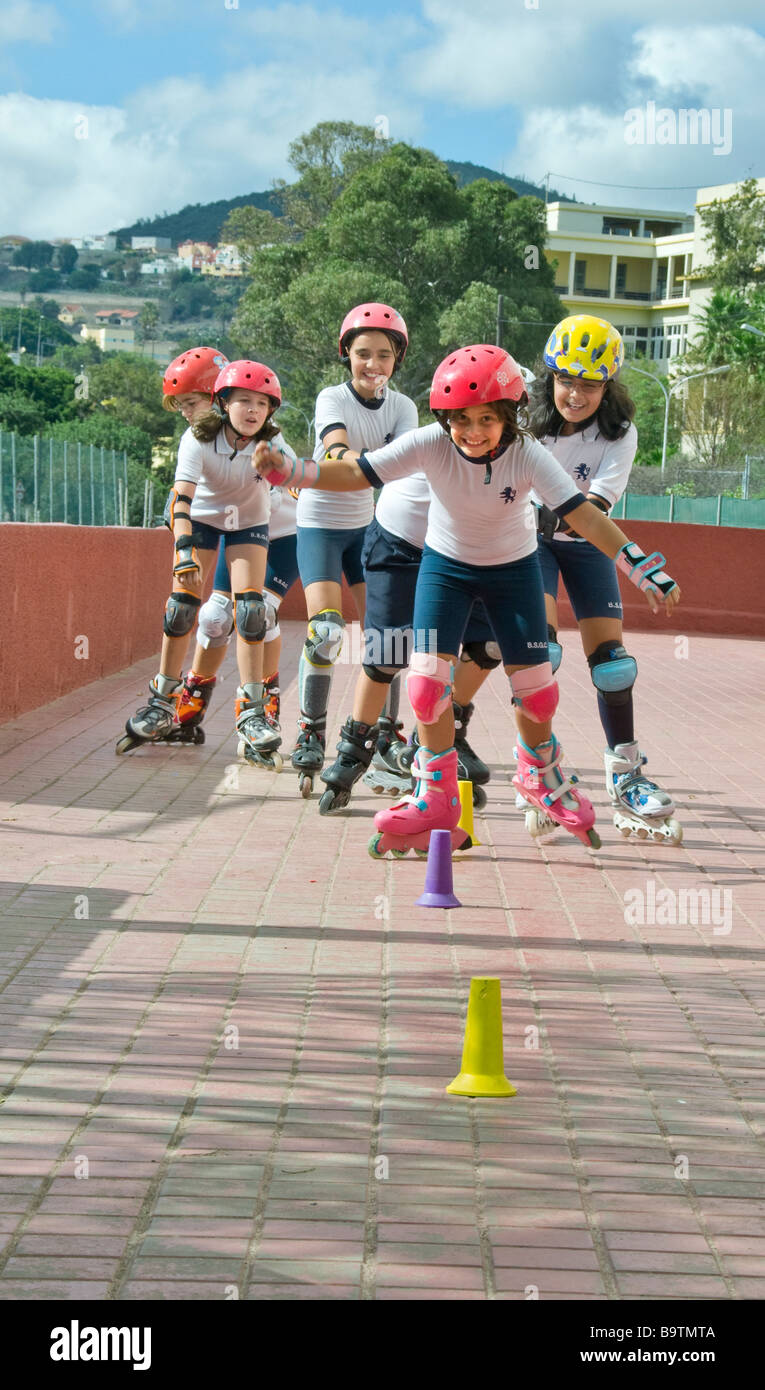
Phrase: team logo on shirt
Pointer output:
(583, 471)
(508, 494)
(388, 437)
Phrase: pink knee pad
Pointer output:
(429, 686)
(535, 692)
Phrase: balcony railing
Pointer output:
(645, 296)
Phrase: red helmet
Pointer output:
(380, 316)
(249, 376)
(195, 370)
(475, 376)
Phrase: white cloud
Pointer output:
(26, 21)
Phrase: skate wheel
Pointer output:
(532, 823)
(240, 748)
(198, 736)
(625, 831)
(127, 743)
(593, 839)
(642, 833)
(305, 785)
(479, 797)
(277, 762)
(372, 847)
(676, 835)
(421, 853)
(331, 800)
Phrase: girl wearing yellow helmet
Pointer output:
(583, 415)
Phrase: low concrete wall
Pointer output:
(81, 602)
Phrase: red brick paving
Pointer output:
(253, 1013)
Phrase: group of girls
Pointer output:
(479, 516)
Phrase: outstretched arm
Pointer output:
(339, 471)
(645, 571)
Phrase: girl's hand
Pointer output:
(266, 460)
(657, 600)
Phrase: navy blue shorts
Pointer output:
(282, 568)
(589, 577)
(328, 555)
(512, 595)
(211, 537)
(391, 566)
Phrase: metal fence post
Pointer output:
(103, 488)
(13, 472)
(36, 456)
(92, 491)
(671, 516)
(79, 484)
(66, 485)
(117, 508)
(719, 509)
(1, 475)
(50, 471)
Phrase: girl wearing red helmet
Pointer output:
(331, 529)
(217, 496)
(481, 544)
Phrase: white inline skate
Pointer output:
(258, 739)
(639, 806)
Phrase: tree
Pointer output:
(66, 256)
(148, 323)
(723, 419)
(325, 160)
(649, 413)
(83, 279)
(249, 229)
(33, 255)
(401, 231)
(134, 384)
(45, 279)
(21, 326)
(735, 231)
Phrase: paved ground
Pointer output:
(226, 1031)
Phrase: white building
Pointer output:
(108, 242)
(150, 243)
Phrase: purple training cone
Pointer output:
(439, 885)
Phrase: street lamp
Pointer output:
(713, 371)
(750, 328)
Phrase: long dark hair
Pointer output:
(208, 427)
(613, 415)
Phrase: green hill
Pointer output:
(203, 221)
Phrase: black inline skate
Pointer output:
(308, 754)
(355, 749)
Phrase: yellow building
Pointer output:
(627, 265)
(110, 339)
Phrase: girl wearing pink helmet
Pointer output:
(362, 412)
(217, 496)
(481, 544)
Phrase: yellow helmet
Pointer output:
(585, 346)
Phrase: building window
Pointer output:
(621, 276)
(580, 273)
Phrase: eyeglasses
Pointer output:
(588, 387)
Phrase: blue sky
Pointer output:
(113, 109)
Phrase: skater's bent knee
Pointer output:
(325, 637)
(250, 615)
(381, 675)
(535, 692)
(613, 672)
(180, 613)
(429, 684)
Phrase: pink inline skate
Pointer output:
(550, 795)
(433, 805)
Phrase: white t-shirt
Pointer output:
(223, 482)
(402, 508)
(283, 508)
(368, 425)
(594, 463)
(469, 520)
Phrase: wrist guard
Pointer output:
(548, 521)
(303, 473)
(186, 559)
(644, 571)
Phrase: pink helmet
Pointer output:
(380, 316)
(249, 376)
(195, 370)
(476, 376)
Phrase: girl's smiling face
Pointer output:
(575, 398)
(476, 430)
(247, 411)
(372, 360)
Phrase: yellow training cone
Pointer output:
(483, 1067)
(465, 821)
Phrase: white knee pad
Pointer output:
(273, 603)
(216, 621)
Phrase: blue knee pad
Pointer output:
(554, 648)
(613, 672)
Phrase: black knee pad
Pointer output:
(250, 615)
(613, 672)
(379, 676)
(486, 655)
(180, 613)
